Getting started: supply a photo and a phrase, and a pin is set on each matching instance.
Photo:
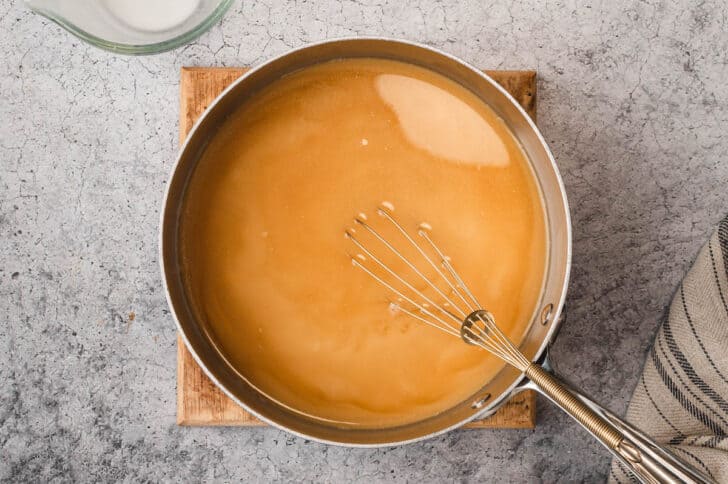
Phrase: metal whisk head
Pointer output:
(450, 306)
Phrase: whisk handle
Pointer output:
(649, 462)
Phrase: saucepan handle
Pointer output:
(647, 460)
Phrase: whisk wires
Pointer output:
(453, 310)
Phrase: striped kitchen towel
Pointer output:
(681, 399)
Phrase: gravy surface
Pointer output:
(268, 268)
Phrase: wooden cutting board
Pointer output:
(199, 401)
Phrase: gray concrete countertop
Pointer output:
(633, 100)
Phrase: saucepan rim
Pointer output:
(170, 210)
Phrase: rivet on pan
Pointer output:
(546, 314)
(479, 403)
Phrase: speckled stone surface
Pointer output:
(633, 101)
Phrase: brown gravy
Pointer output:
(267, 266)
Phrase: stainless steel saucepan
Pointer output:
(545, 320)
(649, 462)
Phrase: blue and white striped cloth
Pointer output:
(682, 397)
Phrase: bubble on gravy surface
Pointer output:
(287, 309)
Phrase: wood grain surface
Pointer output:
(199, 401)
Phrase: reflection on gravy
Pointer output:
(439, 122)
(267, 267)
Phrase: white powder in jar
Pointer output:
(152, 15)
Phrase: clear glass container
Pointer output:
(134, 26)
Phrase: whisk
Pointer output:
(443, 301)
